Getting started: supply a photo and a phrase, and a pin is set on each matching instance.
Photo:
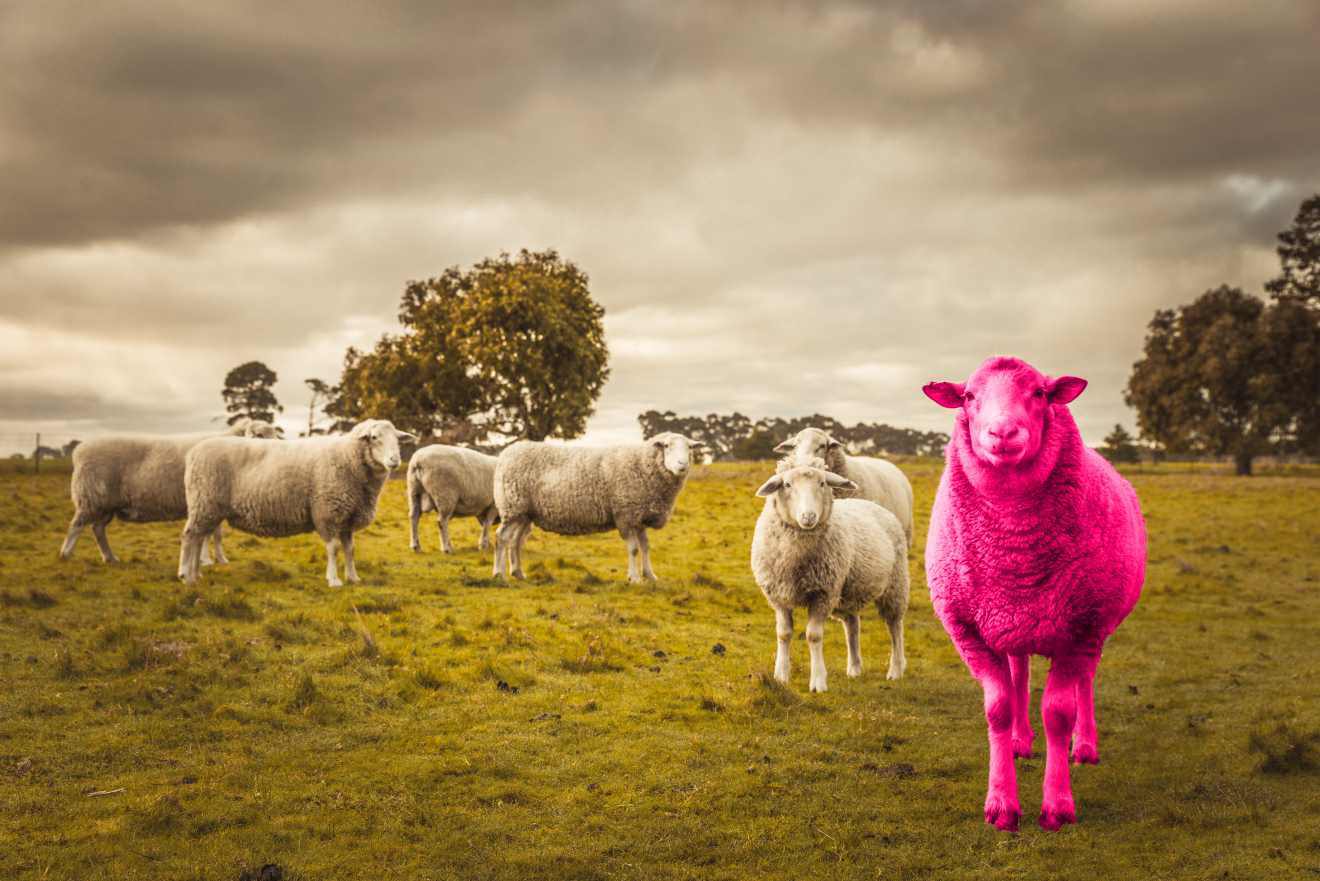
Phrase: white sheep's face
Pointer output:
(677, 451)
(1006, 405)
(382, 439)
(804, 496)
(809, 443)
(262, 431)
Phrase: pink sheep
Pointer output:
(1036, 546)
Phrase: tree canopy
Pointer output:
(247, 393)
(514, 346)
(1120, 447)
(727, 437)
(1231, 375)
(1299, 254)
(1226, 376)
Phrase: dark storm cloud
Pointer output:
(120, 118)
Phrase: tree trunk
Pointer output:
(1243, 465)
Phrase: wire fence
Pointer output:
(37, 446)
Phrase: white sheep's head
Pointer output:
(263, 430)
(802, 491)
(1006, 406)
(382, 441)
(809, 443)
(677, 451)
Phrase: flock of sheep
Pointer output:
(1036, 544)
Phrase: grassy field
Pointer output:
(577, 726)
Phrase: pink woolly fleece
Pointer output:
(1036, 546)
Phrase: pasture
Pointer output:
(577, 726)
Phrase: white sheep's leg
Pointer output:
(414, 516)
(501, 548)
(443, 519)
(1023, 736)
(487, 520)
(350, 567)
(332, 563)
(103, 543)
(524, 533)
(815, 642)
(634, 547)
(190, 552)
(897, 658)
(784, 632)
(218, 539)
(852, 634)
(71, 539)
(644, 548)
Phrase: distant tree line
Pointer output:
(1233, 375)
(736, 437)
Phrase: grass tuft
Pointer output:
(768, 695)
(306, 693)
(1286, 750)
(40, 598)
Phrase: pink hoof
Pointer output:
(1021, 748)
(1053, 816)
(1085, 754)
(1002, 813)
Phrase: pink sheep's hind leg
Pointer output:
(1023, 736)
(1085, 750)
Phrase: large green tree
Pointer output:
(514, 345)
(1220, 377)
(247, 393)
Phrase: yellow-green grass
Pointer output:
(247, 720)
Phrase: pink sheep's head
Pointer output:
(1006, 404)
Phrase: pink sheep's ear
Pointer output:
(1065, 389)
(771, 486)
(946, 394)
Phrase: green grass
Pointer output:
(374, 731)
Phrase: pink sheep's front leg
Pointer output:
(1023, 736)
(1002, 808)
(1059, 711)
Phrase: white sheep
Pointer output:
(581, 490)
(138, 480)
(831, 557)
(452, 481)
(877, 480)
(329, 485)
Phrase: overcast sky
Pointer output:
(785, 208)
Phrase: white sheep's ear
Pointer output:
(696, 445)
(406, 438)
(839, 481)
(785, 447)
(834, 445)
(771, 486)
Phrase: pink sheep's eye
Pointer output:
(969, 396)
(1039, 393)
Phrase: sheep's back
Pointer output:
(876, 544)
(140, 480)
(467, 475)
(262, 488)
(561, 489)
(882, 482)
